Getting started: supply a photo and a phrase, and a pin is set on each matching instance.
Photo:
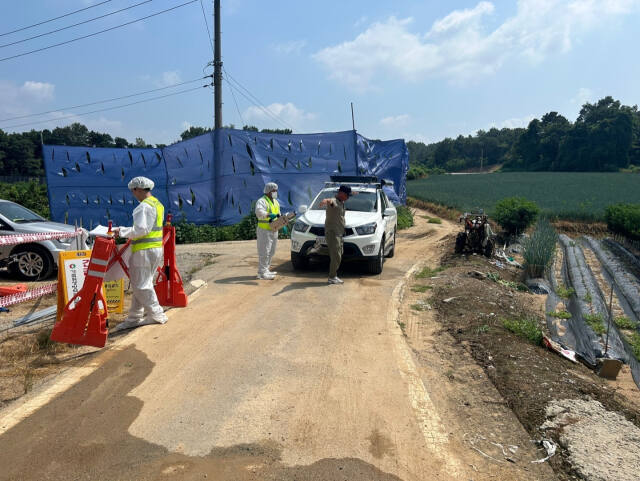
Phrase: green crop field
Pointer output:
(576, 196)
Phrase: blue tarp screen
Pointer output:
(214, 178)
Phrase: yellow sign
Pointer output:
(114, 293)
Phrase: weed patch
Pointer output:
(566, 292)
(421, 289)
(525, 328)
(596, 322)
(560, 314)
(624, 322)
(429, 272)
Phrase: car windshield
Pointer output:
(18, 214)
(360, 202)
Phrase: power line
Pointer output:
(235, 101)
(207, 25)
(52, 19)
(103, 101)
(257, 102)
(97, 33)
(107, 109)
(75, 24)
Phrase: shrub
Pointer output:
(32, 195)
(435, 220)
(624, 219)
(539, 249)
(515, 214)
(405, 217)
(634, 342)
(525, 328)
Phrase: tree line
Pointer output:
(604, 137)
(21, 153)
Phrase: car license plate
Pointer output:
(321, 241)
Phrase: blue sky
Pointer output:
(418, 70)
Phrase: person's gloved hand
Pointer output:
(272, 216)
(285, 231)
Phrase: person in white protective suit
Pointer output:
(267, 210)
(146, 254)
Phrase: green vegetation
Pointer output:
(604, 137)
(623, 322)
(421, 306)
(539, 250)
(624, 219)
(560, 314)
(587, 297)
(525, 328)
(515, 214)
(581, 196)
(405, 217)
(634, 342)
(513, 285)
(596, 322)
(244, 230)
(31, 195)
(565, 292)
(435, 220)
(421, 289)
(429, 272)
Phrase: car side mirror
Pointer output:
(302, 209)
(388, 212)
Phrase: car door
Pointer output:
(5, 229)
(391, 220)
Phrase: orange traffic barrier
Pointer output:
(169, 283)
(84, 318)
(15, 289)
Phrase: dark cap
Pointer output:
(346, 189)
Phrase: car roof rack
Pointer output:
(354, 179)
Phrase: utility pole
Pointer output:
(353, 120)
(217, 67)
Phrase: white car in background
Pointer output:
(371, 222)
(35, 260)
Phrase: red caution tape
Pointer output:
(8, 240)
(27, 296)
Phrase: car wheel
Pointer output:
(299, 261)
(32, 263)
(374, 266)
(392, 252)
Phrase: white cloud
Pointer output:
(362, 20)
(287, 112)
(583, 96)
(170, 77)
(394, 120)
(514, 123)
(39, 91)
(461, 45)
(292, 47)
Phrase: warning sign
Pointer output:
(114, 293)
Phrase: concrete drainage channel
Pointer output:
(592, 275)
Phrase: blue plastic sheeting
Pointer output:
(216, 177)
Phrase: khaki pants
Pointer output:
(334, 244)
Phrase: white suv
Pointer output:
(370, 224)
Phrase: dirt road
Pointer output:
(288, 379)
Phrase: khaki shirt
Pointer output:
(334, 220)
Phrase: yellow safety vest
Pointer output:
(274, 208)
(154, 238)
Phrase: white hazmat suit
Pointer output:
(143, 265)
(267, 239)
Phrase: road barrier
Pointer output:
(15, 239)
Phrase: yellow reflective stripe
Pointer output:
(151, 240)
(144, 240)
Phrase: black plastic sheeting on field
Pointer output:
(628, 258)
(575, 333)
(626, 284)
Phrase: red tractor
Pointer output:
(477, 235)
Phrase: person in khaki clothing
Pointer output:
(334, 230)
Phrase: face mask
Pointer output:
(274, 195)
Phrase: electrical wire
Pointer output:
(97, 33)
(104, 101)
(52, 19)
(235, 101)
(204, 15)
(75, 24)
(107, 109)
(256, 101)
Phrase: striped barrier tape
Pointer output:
(27, 296)
(7, 240)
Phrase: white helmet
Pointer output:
(270, 187)
(140, 183)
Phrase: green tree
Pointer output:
(515, 214)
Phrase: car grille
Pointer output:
(317, 230)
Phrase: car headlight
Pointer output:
(300, 226)
(367, 229)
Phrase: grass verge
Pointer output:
(405, 217)
(427, 272)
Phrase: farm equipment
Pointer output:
(477, 235)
